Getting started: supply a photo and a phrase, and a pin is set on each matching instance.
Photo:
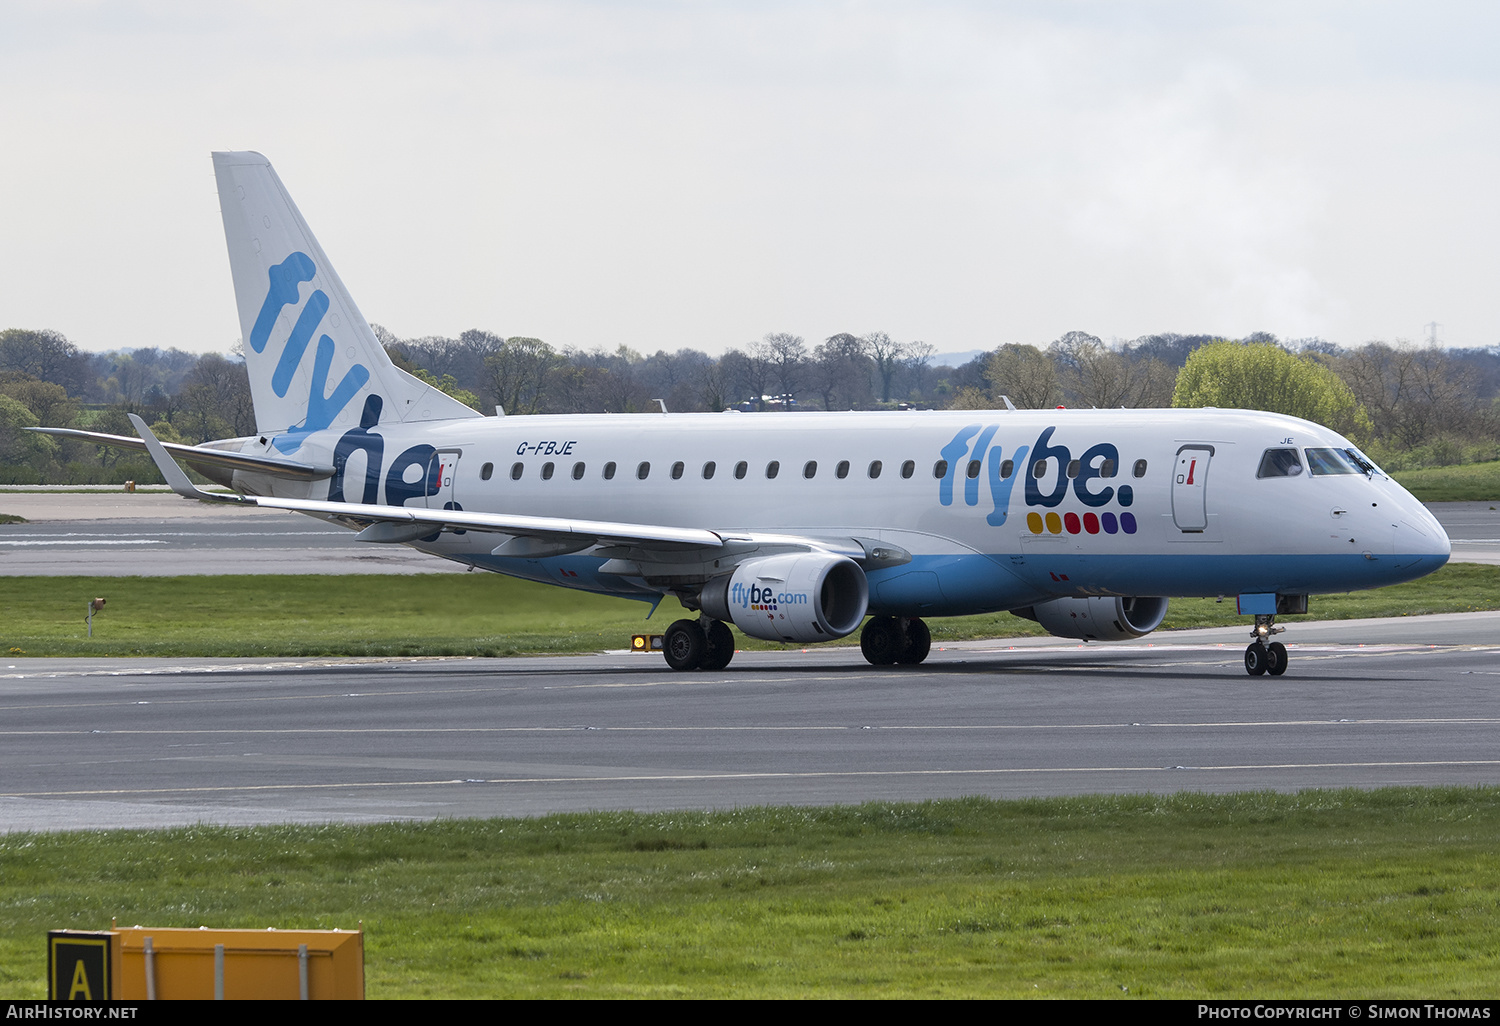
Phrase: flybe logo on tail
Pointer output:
(322, 408)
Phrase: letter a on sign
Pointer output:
(80, 965)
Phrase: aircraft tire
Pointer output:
(881, 640)
(1276, 659)
(916, 644)
(1255, 660)
(684, 645)
(720, 646)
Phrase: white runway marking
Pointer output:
(709, 777)
(84, 541)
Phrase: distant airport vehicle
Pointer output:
(794, 527)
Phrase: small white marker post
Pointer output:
(94, 606)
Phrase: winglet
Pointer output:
(175, 475)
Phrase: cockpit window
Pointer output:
(1321, 462)
(1364, 463)
(1279, 463)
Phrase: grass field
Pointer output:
(486, 614)
(1471, 482)
(1391, 893)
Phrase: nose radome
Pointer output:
(1422, 536)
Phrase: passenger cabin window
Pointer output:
(546, 472)
(1107, 468)
(677, 469)
(773, 468)
(1007, 468)
(609, 472)
(486, 472)
(810, 469)
(1039, 469)
(974, 468)
(1073, 468)
(908, 468)
(940, 469)
(740, 470)
(1323, 462)
(643, 471)
(708, 471)
(1140, 468)
(516, 470)
(842, 470)
(1279, 463)
(874, 469)
(578, 471)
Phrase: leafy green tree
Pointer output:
(1263, 376)
(25, 457)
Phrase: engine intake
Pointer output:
(800, 596)
(1098, 619)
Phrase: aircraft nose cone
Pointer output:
(1420, 534)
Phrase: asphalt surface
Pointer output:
(112, 534)
(101, 743)
(113, 743)
(162, 535)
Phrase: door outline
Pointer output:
(1190, 487)
(444, 465)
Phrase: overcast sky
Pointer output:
(663, 175)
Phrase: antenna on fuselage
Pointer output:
(1008, 404)
(662, 403)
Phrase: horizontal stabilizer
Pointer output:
(203, 456)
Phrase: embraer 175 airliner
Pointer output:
(792, 527)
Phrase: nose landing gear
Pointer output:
(1264, 655)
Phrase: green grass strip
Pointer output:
(1470, 482)
(1389, 893)
(489, 615)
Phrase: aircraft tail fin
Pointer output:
(314, 362)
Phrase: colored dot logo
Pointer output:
(1089, 523)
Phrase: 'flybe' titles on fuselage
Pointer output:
(1050, 475)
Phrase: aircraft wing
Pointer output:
(407, 523)
(528, 536)
(202, 455)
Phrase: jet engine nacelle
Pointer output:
(1098, 619)
(800, 596)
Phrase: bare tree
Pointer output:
(887, 356)
(786, 354)
(516, 373)
(1026, 375)
(1411, 393)
(839, 372)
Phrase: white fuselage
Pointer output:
(1129, 502)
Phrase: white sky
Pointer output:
(697, 174)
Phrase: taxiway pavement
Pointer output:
(117, 743)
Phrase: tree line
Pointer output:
(1408, 405)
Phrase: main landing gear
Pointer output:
(1261, 657)
(698, 645)
(895, 639)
